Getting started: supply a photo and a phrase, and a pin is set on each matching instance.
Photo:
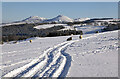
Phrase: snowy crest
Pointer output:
(34, 19)
(60, 18)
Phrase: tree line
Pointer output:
(24, 31)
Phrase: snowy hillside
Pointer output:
(96, 55)
(34, 19)
(108, 20)
(52, 25)
(81, 19)
(88, 29)
(37, 19)
(59, 19)
(47, 26)
(31, 19)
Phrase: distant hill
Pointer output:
(34, 19)
(59, 19)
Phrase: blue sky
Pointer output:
(15, 11)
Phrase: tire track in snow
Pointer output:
(51, 63)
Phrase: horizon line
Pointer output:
(63, 15)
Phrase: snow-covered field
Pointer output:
(88, 29)
(96, 55)
(47, 26)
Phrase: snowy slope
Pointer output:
(34, 19)
(45, 26)
(94, 55)
(37, 19)
(31, 19)
(88, 29)
(108, 20)
(59, 19)
(19, 54)
(81, 19)
(48, 26)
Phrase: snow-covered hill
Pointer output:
(81, 19)
(48, 26)
(37, 19)
(33, 19)
(108, 20)
(45, 26)
(59, 19)
(88, 29)
(96, 55)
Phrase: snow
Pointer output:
(43, 63)
(37, 19)
(16, 53)
(68, 28)
(34, 19)
(81, 19)
(48, 26)
(31, 19)
(59, 19)
(95, 55)
(109, 20)
(45, 26)
(88, 29)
